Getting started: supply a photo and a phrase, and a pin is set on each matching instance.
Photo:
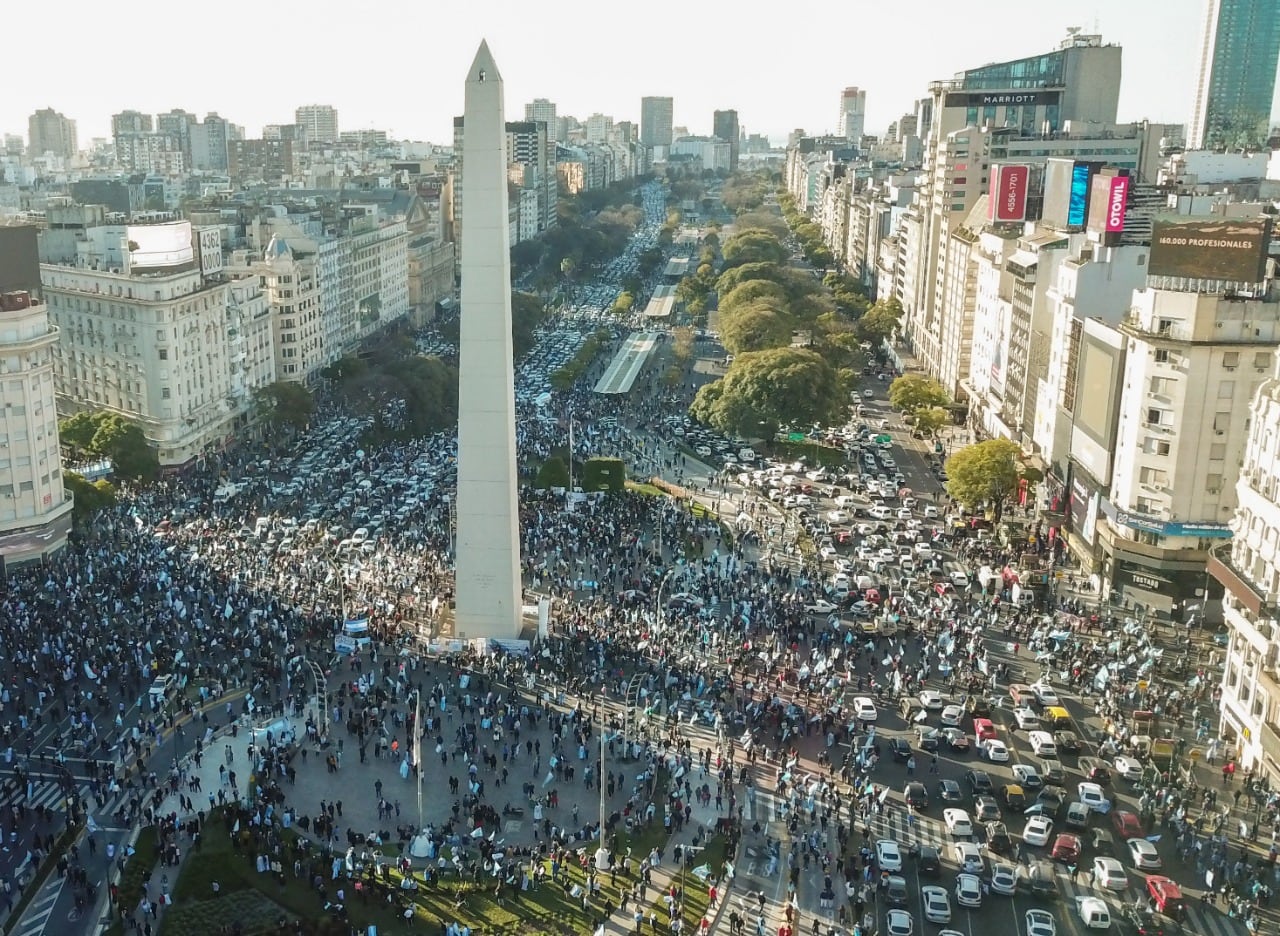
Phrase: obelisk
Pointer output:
(488, 547)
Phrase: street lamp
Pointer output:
(657, 605)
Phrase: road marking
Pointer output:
(35, 920)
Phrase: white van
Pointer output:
(261, 526)
(747, 454)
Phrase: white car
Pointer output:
(888, 855)
(1044, 694)
(993, 749)
(958, 822)
(1129, 768)
(1004, 879)
(952, 715)
(1043, 744)
(968, 890)
(937, 906)
(1040, 923)
(1026, 718)
(1094, 912)
(1037, 830)
(821, 606)
(837, 516)
(1144, 855)
(1093, 796)
(932, 701)
(1109, 873)
(1027, 777)
(968, 857)
(864, 709)
(899, 923)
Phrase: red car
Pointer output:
(1126, 825)
(1066, 848)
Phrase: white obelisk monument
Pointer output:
(488, 550)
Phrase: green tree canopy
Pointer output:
(752, 291)
(554, 473)
(289, 405)
(111, 436)
(756, 326)
(766, 389)
(912, 392)
(753, 245)
(90, 496)
(765, 220)
(930, 419)
(880, 321)
(983, 476)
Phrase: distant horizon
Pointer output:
(741, 65)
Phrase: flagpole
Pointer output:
(417, 749)
(571, 455)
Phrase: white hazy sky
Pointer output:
(398, 65)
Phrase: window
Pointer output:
(1153, 416)
(1213, 483)
(1231, 359)
(1161, 385)
(1262, 360)
(1162, 355)
(1218, 451)
(1226, 389)
(165, 393)
(164, 354)
(1221, 422)
(1156, 446)
(1153, 476)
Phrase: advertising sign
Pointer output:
(1007, 201)
(209, 241)
(1078, 200)
(1108, 199)
(1002, 98)
(154, 246)
(1232, 250)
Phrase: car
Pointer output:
(995, 750)
(979, 706)
(983, 728)
(956, 739)
(821, 606)
(1166, 897)
(1037, 830)
(898, 922)
(1042, 744)
(928, 738)
(1066, 848)
(895, 890)
(1092, 795)
(952, 715)
(1026, 777)
(968, 857)
(1109, 873)
(1068, 742)
(1040, 878)
(1093, 912)
(1128, 767)
(969, 890)
(949, 791)
(864, 709)
(915, 794)
(1004, 879)
(958, 822)
(1013, 795)
(888, 855)
(986, 808)
(1102, 841)
(932, 701)
(1126, 824)
(1026, 718)
(937, 906)
(928, 860)
(1078, 815)
(900, 748)
(1040, 923)
(1044, 694)
(998, 839)
(1095, 770)
(1144, 855)
(979, 781)
(1052, 771)
(1144, 921)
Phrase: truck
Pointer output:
(1094, 912)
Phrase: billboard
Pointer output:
(1007, 199)
(1078, 198)
(1002, 98)
(1232, 250)
(1066, 192)
(1108, 199)
(209, 241)
(158, 246)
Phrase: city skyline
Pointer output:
(795, 90)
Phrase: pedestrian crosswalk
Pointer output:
(896, 822)
(47, 793)
(1199, 918)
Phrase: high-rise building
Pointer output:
(319, 123)
(178, 124)
(724, 124)
(35, 513)
(542, 109)
(211, 143)
(657, 114)
(130, 121)
(1237, 82)
(598, 128)
(853, 114)
(50, 132)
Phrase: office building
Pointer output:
(657, 116)
(599, 127)
(251, 161)
(318, 123)
(130, 121)
(177, 124)
(541, 109)
(35, 512)
(50, 132)
(1237, 76)
(211, 143)
(724, 124)
(853, 114)
(531, 167)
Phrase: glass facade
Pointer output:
(1041, 71)
(1238, 77)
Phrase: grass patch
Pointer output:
(645, 489)
(697, 897)
(814, 453)
(138, 869)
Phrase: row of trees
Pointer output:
(405, 393)
(807, 234)
(746, 191)
(566, 376)
(89, 436)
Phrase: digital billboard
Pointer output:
(1233, 250)
(1078, 198)
(1007, 198)
(1066, 192)
(1108, 200)
(157, 246)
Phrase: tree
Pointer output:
(929, 420)
(90, 496)
(751, 292)
(985, 475)
(753, 245)
(108, 435)
(554, 473)
(623, 304)
(755, 327)
(289, 405)
(880, 321)
(766, 389)
(603, 474)
(911, 392)
(682, 344)
(527, 313)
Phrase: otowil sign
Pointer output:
(1233, 250)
